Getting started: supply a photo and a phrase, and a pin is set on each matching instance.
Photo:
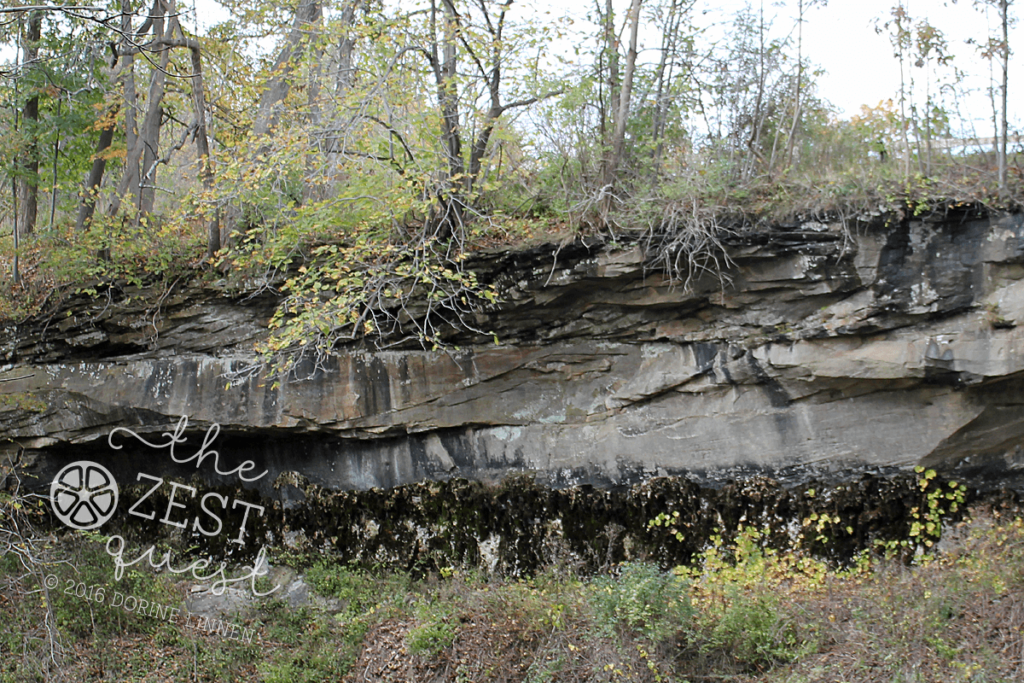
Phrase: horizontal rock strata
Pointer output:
(822, 351)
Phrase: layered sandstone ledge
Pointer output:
(825, 352)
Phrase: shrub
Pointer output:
(641, 597)
(753, 630)
(434, 633)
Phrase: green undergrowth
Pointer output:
(57, 263)
(738, 611)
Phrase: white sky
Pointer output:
(861, 66)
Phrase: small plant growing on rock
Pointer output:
(995, 318)
(669, 523)
(926, 525)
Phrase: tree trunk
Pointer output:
(213, 242)
(149, 138)
(95, 179)
(56, 166)
(16, 270)
(143, 145)
(904, 123)
(126, 51)
(797, 104)
(602, 110)
(28, 184)
(663, 77)
(308, 13)
(621, 112)
(611, 49)
(927, 120)
(995, 112)
(754, 141)
(1004, 11)
(203, 145)
(346, 46)
(448, 94)
(478, 150)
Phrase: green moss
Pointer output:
(22, 400)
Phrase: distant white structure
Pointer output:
(951, 143)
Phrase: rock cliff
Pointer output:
(822, 351)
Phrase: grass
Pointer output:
(739, 612)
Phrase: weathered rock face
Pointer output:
(821, 353)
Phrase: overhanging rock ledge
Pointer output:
(822, 353)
